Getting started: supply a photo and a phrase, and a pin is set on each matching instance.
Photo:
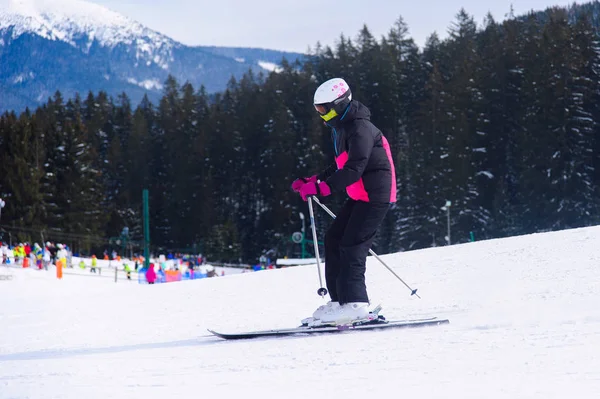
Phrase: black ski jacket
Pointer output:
(363, 159)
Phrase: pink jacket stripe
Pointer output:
(356, 191)
(388, 152)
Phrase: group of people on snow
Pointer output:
(36, 256)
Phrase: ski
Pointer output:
(377, 324)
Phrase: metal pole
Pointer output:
(413, 292)
(303, 244)
(321, 291)
(146, 230)
(448, 215)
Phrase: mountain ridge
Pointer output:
(78, 46)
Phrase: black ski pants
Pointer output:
(347, 244)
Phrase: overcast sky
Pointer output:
(296, 25)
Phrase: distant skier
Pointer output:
(46, 258)
(94, 264)
(151, 274)
(365, 169)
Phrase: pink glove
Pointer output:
(298, 183)
(311, 188)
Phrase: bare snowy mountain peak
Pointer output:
(64, 9)
(72, 21)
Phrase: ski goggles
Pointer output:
(325, 112)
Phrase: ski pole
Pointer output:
(413, 292)
(321, 291)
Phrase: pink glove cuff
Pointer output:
(324, 189)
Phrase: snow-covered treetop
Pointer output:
(74, 20)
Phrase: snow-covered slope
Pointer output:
(525, 323)
(76, 45)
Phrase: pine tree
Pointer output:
(79, 188)
(20, 173)
(404, 90)
(97, 114)
(466, 150)
(422, 224)
(54, 162)
(224, 149)
(161, 191)
(502, 78)
(577, 193)
(200, 182)
(137, 177)
(558, 127)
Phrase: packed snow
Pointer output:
(523, 311)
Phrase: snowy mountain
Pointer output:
(523, 311)
(77, 46)
(80, 23)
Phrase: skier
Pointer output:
(151, 274)
(365, 169)
(94, 264)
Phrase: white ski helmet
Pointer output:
(332, 98)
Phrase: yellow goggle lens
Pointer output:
(329, 116)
